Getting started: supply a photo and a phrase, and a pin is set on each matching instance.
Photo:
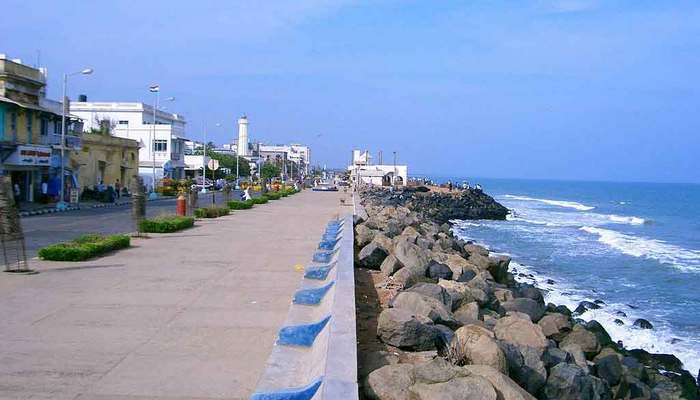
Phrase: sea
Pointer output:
(633, 246)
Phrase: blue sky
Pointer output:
(568, 89)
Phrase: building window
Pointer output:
(123, 122)
(160, 145)
(56, 127)
(44, 129)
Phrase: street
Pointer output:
(43, 230)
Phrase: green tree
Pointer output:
(267, 172)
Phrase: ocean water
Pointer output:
(635, 246)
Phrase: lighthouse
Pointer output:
(242, 148)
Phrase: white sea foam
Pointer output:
(626, 220)
(666, 253)
(558, 203)
(658, 340)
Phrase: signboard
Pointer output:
(213, 164)
(74, 196)
(30, 155)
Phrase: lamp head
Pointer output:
(86, 71)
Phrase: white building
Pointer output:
(162, 144)
(361, 170)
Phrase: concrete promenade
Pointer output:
(190, 315)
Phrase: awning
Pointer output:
(35, 107)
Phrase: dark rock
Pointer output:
(570, 382)
(403, 329)
(525, 366)
(373, 254)
(643, 324)
(634, 368)
(426, 306)
(599, 302)
(432, 290)
(467, 275)
(600, 332)
(438, 270)
(609, 369)
(585, 306)
(554, 355)
(618, 321)
(525, 305)
(550, 282)
(621, 313)
(530, 292)
(498, 267)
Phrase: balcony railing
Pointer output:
(72, 141)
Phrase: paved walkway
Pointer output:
(191, 315)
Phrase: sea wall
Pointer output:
(438, 316)
(315, 354)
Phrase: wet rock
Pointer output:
(621, 313)
(555, 326)
(643, 324)
(618, 321)
(426, 306)
(599, 331)
(525, 305)
(525, 366)
(586, 340)
(530, 292)
(401, 328)
(437, 270)
(609, 368)
(473, 344)
(498, 267)
(585, 306)
(570, 382)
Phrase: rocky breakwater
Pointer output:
(440, 318)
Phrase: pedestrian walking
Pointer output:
(118, 189)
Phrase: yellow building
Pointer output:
(30, 133)
(106, 159)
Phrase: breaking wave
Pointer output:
(665, 253)
(558, 203)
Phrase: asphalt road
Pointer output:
(43, 230)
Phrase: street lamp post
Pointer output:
(394, 169)
(62, 205)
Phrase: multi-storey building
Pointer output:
(162, 151)
(30, 134)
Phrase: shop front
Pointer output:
(28, 167)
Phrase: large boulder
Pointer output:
(390, 382)
(390, 265)
(555, 326)
(426, 306)
(467, 313)
(475, 345)
(458, 291)
(411, 256)
(520, 331)
(402, 328)
(554, 355)
(506, 388)
(498, 267)
(363, 235)
(437, 292)
(464, 388)
(599, 331)
(438, 270)
(577, 354)
(525, 366)
(570, 382)
(462, 270)
(525, 305)
(374, 253)
(609, 369)
(587, 340)
(410, 233)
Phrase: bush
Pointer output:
(240, 205)
(84, 247)
(258, 200)
(211, 212)
(166, 224)
(272, 196)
